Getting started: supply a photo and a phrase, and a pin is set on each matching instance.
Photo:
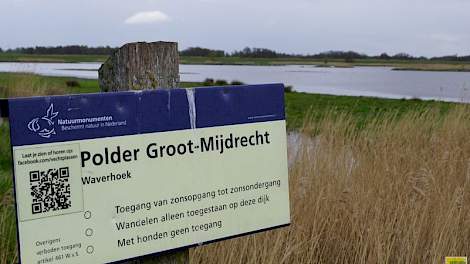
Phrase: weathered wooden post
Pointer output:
(141, 65)
(137, 66)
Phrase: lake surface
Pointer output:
(358, 81)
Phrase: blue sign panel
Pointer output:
(39, 120)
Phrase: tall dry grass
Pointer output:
(8, 245)
(15, 85)
(24, 84)
(394, 191)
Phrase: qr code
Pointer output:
(50, 190)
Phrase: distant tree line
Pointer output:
(348, 56)
(258, 53)
(202, 52)
(64, 50)
(452, 58)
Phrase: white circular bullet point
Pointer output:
(90, 249)
(87, 215)
(89, 232)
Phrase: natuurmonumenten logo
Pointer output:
(44, 126)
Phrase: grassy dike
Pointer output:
(15, 57)
(310, 114)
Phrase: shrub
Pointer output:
(235, 82)
(221, 82)
(72, 83)
(288, 89)
(208, 82)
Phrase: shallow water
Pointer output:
(358, 81)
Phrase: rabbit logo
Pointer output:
(44, 126)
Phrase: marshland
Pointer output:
(371, 180)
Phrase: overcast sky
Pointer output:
(418, 27)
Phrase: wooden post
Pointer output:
(137, 66)
(141, 65)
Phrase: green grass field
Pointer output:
(421, 65)
(13, 57)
